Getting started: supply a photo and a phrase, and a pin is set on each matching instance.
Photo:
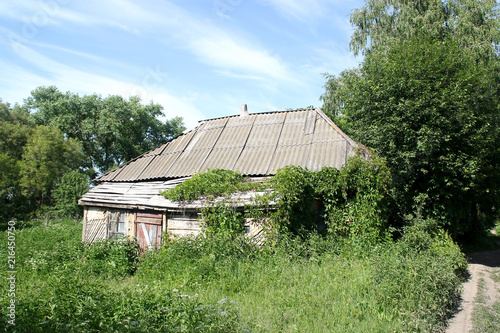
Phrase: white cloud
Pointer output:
(224, 52)
(212, 45)
(68, 78)
(231, 51)
(228, 73)
(298, 9)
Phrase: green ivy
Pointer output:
(213, 183)
(292, 192)
(355, 199)
(222, 218)
(351, 201)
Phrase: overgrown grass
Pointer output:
(64, 286)
(228, 284)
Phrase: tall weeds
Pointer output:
(307, 283)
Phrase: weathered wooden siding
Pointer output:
(183, 224)
(147, 226)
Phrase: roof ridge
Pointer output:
(257, 114)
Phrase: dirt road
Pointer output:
(481, 265)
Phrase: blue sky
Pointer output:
(198, 59)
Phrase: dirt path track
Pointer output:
(480, 266)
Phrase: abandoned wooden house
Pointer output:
(127, 200)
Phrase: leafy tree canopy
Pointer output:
(473, 23)
(426, 98)
(432, 111)
(47, 156)
(112, 130)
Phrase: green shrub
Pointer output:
(420, 276)
(190, 260)
(71, 303)
(71, 187)
(112, 257)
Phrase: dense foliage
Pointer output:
(47, 156)
(34, 159)
(53, 144)
(67, 193)
(426, 99)
(474, 24)
(63, 285)
(112, 130)
(227, 284)
(356, 199)
(350, 201)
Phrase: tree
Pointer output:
(432, 110)
(112, 130)
(69, 190)
(15, 128)
(47, 156)
(474, 24)
(426, 99)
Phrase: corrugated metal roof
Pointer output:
(257, 144)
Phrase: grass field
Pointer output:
(226, 284)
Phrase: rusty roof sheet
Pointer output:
(257, 144)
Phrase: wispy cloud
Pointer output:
(298, 9)
(212, 45)
(268, 57)
(69, 78)
(224, 52)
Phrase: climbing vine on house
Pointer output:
(351, 200)
(221, 215)
(355, 199)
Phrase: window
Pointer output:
(122, 223)
(118, 223)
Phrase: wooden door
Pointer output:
(148, 228)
